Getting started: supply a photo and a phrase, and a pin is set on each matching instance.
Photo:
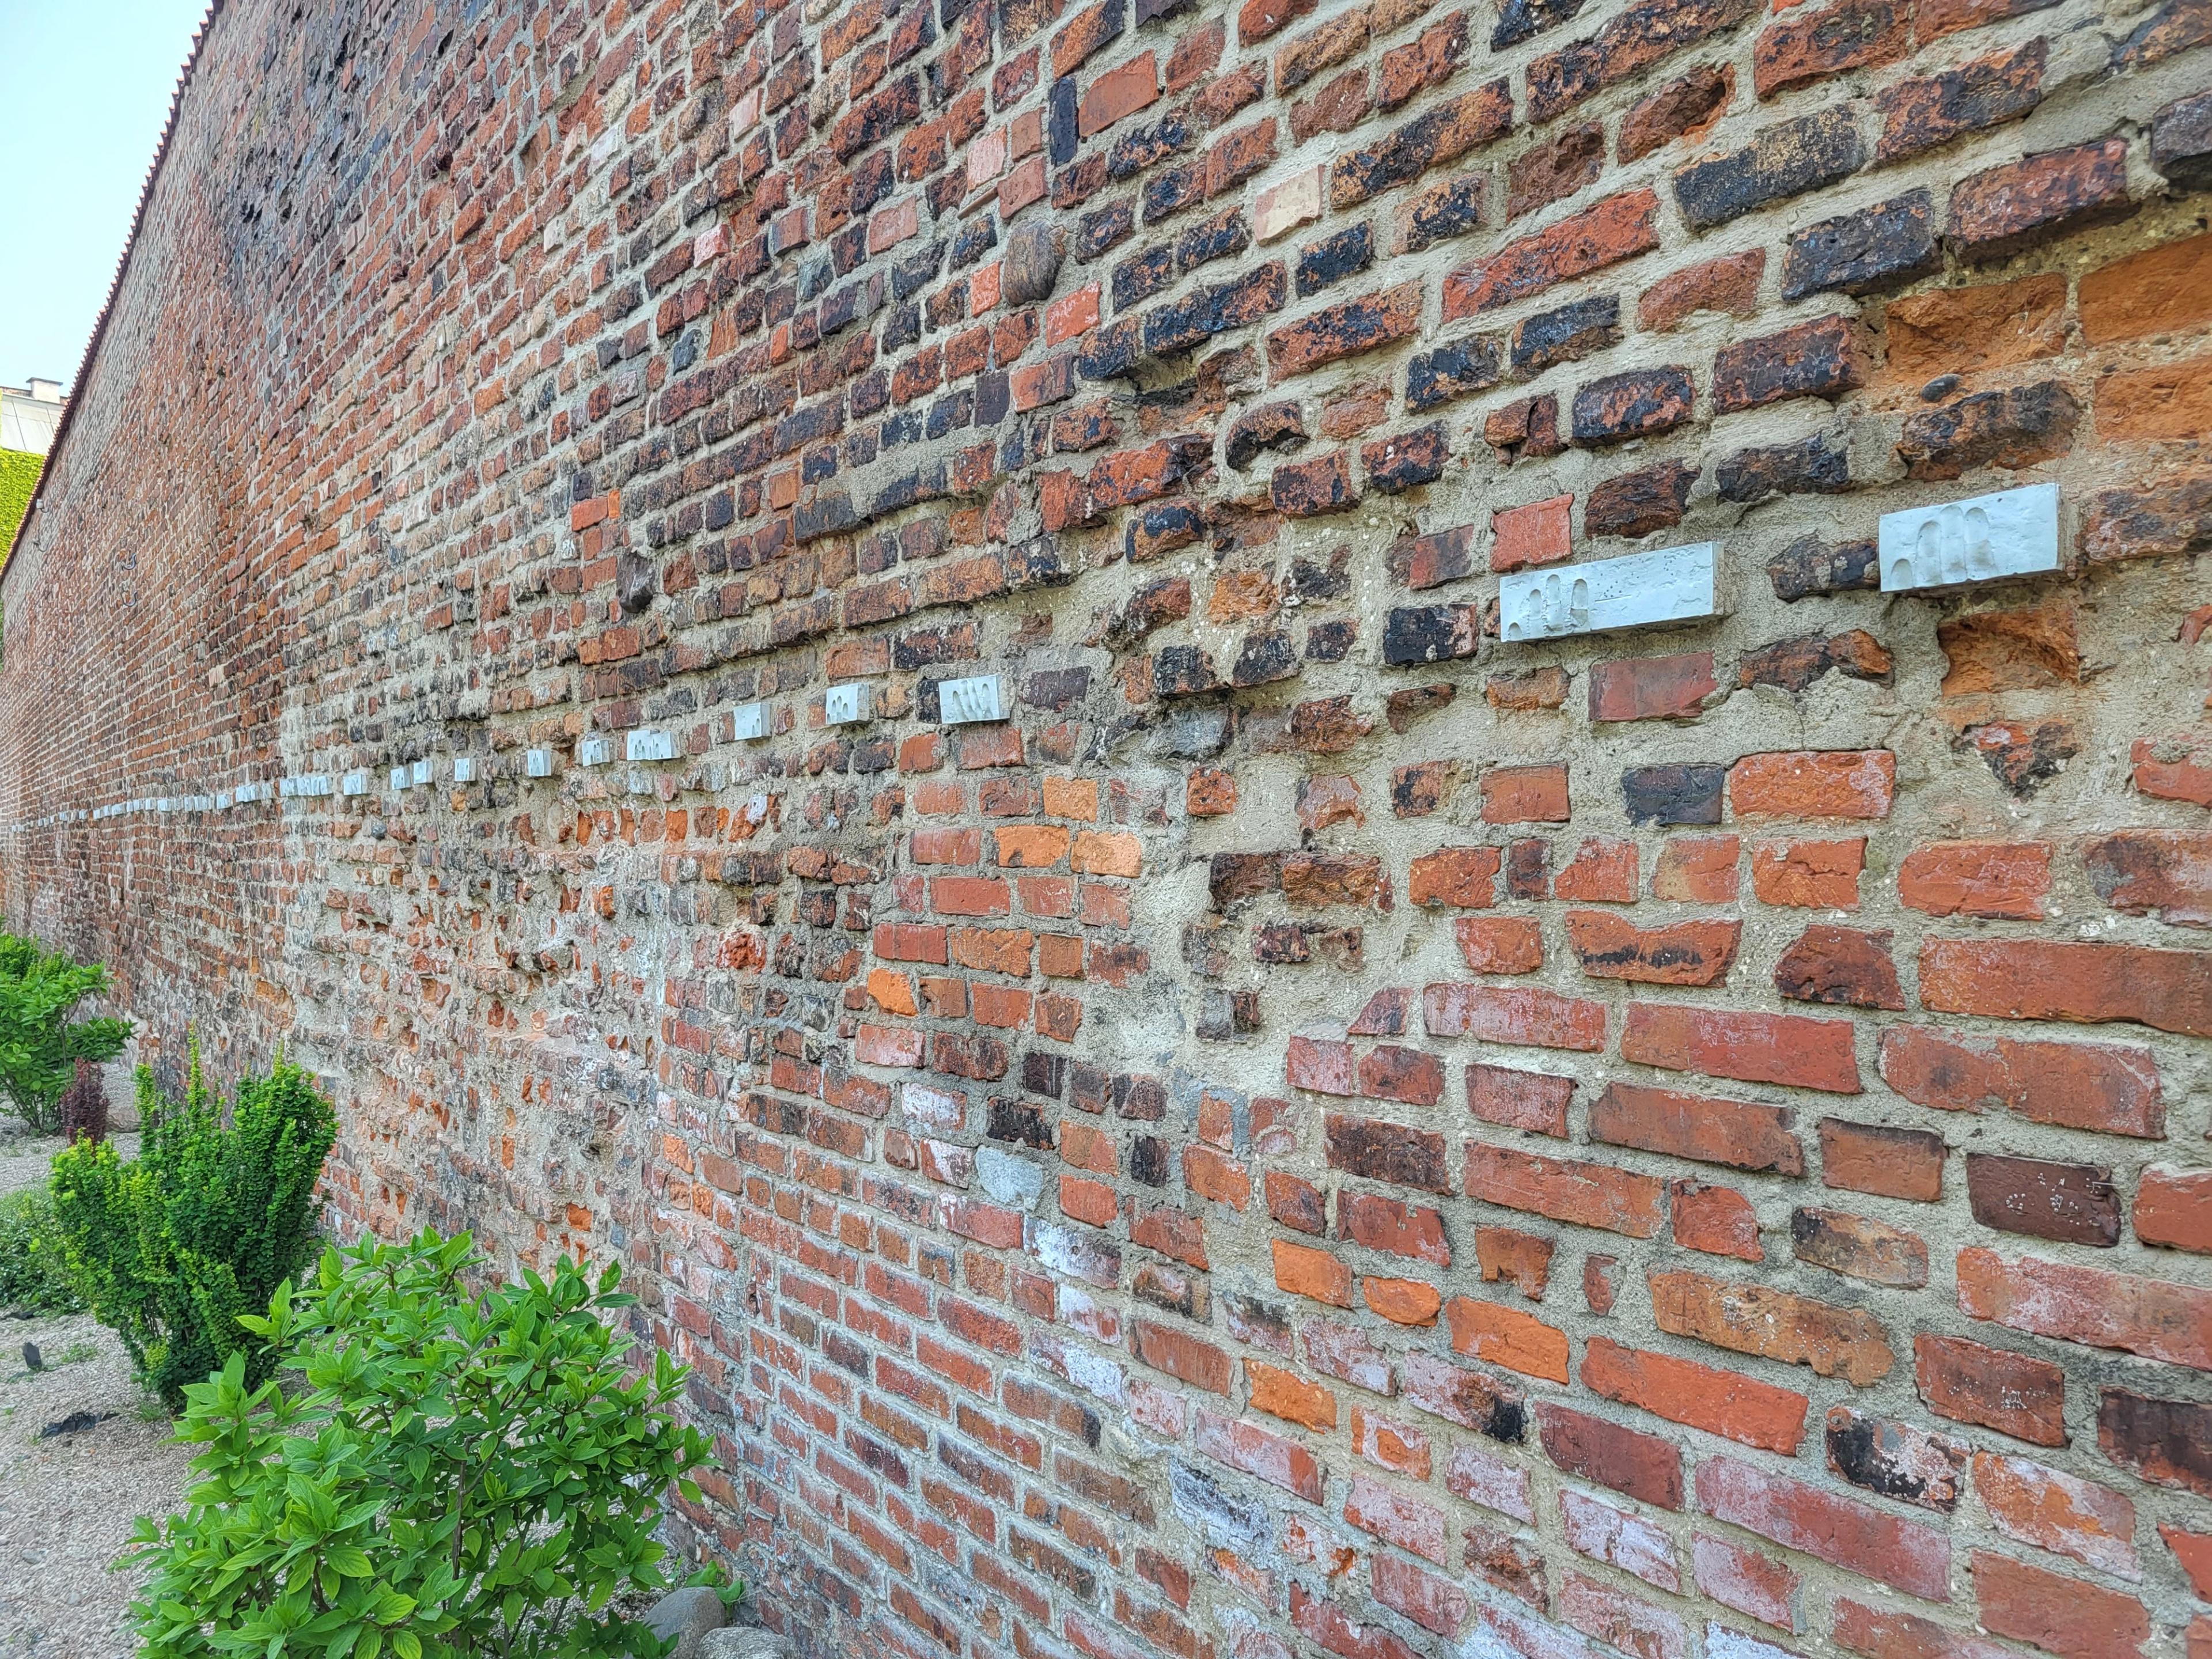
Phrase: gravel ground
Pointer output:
(66, 1502)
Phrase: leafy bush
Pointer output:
(463, 1472)
(34, 1265)
(172, 1248)
(40, 1044)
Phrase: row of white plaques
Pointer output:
(2013, 533)
(959, 703)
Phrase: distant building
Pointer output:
(28, 415)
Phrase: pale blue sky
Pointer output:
(85, 91)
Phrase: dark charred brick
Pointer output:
(1638, 503)
(1879, 248)
(1442, 212)
(1524, 20)
(1918, 115)
(1640, 36)
(1415, 635)
(1020, 1123)
(1803, 45)
(1782, 161)
(1684, 106)
(1673, 794)
(1452, 370)
(1645, 1466)
(1112, 351)
(1329, 261)
(1824, 358)
(1169, 193)
(2167, 1441)
(1554, 170)
(1106, 229)
(1896, 1459)
(1217, 238)
(2181, 141)
(2072, 1203)
(1277, 427)
(1635, 404)
(1842, 965)
(1528, 868)
(1234, 876)
(1818, 465)
(1331, 642)
(1388, 1152)
(1184, 671)
(2013, 428)
(1133, 152)
(1809, 567)
(2022, 204)
(2022, 754)
(1141, 275)
(1345, 330)
(1309, 581)
(2174, 516)
(1406, 460)
(1446, 132)
(1183, 324)
(1323, 484)
(1794, 664)
(1160, 528)
(1566, 334)
(1265, 659)
(2175, 26)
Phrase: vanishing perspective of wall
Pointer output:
(1325, 1129)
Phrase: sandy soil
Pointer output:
(67, 1502)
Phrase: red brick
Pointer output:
(1540, 533)
(1714, 1220)
(1840, 1531)
(1866, 1158)
(1499, 945)
(2174, 1207)
(1620, 228)
(1609, 946)
(1743, 1136)
(1651, 688)
(2061, 1615)
(2108, 1088)
(1892, 1633)
(1812, 875)
(1463, 878)
(2001, 880)
(1842, 784)
(1519, 1100)
(2031, 1503)
(1789, 1049)
(1721, 1402)
(1697, 870)
(1645, 1466)
(1255, 1451)
(1405, 1521)
(1285, 1394)
(1507, 1336)
(1588, 1194)
(2161, 289)
(1775, 1324)
(1524, 794)
(1519, 1014)
(2094, 1306)
(2166, 990)
(2014, 1394)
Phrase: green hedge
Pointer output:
(19, 477)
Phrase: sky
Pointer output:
(84, 92)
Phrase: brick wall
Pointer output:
(1327, 1131)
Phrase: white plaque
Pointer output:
(538, 762)
(222, 800)
(315, 783)
(464, 769)
(751, 720)
(649, 745)
(354, 783)
(1672, 584)
(594, 751)
(418, 773)
(960, 702)
(2013, 533)
(845, 705)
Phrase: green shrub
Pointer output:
(34, 1265)
(170, 1248)
(40, 1044)
(462, 1473)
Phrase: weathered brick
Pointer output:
(1641, 36)
(2012, 1393)
(1782, 161)
(2007, 209)
(1821, 359)
(1920, 114)
(1620, 228)
(1793, 1329)
(2090, 1305)
(1855, 1536)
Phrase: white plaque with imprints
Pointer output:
(844, 705)
(354, 783)
(961, 702)
(749, 721)
(464, 769)
(1670, 584)
(399, 778)
(650, 746)
(2013, 533)
(537, 762)
(595, 751)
